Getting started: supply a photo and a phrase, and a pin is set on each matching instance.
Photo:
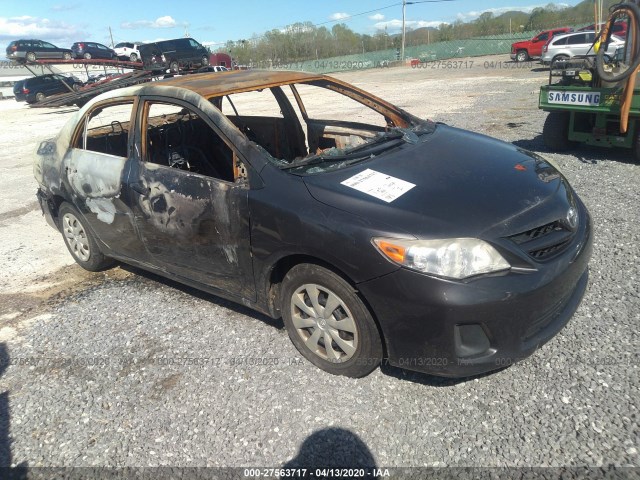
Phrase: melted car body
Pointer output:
(380, 236)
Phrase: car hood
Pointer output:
(523, 43)
(466, 184)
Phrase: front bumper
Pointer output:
(458, 329)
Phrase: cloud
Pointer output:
(395, 24)
(377, 17)
(161, 22)
(64, 7)
(472, 15)
(339, 16)
(60, 33)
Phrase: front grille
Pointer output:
(544, 242)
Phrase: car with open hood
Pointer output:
(376, 235)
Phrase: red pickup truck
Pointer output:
(523, 51)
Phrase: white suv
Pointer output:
(128, 50)
(577, 43)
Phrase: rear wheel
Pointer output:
(80, 241)
(87, 56)
(555, 132)
(559, 59)
(40, 97)
(328, 322)
(66, 56)
(205, 60)
(522, 56)
(31, 56)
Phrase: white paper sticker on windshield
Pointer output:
(379, 185)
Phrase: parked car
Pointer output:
(526, 50)
(36, 89)
(128, 51)
(574, 44)
(619, 29)
(175, 55)
(32, 50)
(213, 68)
(443, 250)
(89, 50)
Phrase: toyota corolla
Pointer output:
(375, 235)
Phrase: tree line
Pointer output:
(305, 41)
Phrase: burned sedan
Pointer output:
(375, 235)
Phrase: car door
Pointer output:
(96, 165)
(578, 44)
(50, 50)
(191, 209)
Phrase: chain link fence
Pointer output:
(473, 47)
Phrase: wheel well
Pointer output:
(282, 267)
(54, 202)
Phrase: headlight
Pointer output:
(451, 258)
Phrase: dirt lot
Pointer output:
(112, 403)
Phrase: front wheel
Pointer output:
(328, 322)
(174, 67)
(133, 57)
(79, 240)
(522, 56)
(205, 60)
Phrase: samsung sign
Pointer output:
(574, 98)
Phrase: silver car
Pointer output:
(573, 44)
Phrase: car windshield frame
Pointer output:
(401, 127)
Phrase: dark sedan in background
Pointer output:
(32, 50)
(89, 50)
(373, 233)
(36, 89)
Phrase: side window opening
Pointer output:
(259, 115)
(178, 137)
(106, 129)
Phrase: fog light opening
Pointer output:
(471, 341)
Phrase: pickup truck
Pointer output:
(528, 49)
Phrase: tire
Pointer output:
(80, 241)
(133, 57)
(87, 56)
(205, 60)
(555, 132)
(31, 57)
(355, 347)
(522, 56)
(40, 97)
(66, 56)
(174, 67)
(558, 58)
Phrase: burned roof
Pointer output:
(222, 83)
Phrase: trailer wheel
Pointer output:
(555, 132)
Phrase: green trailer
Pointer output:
(587, 115)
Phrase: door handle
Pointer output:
(140, 188)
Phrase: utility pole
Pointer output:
(404, 32)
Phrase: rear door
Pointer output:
(50, 51)
(96, 167)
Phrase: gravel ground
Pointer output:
(127, 369)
